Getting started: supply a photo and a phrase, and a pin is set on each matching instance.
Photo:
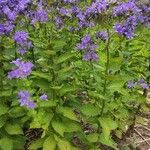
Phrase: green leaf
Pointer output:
(92, 137)
(36, 144)
(107, 141)
(13, 129)
(59, 44)
(49, 103)
(108, 124)
(42, 83)
(3, 109)
(16, 112)
(6, 144)
(90, 110)
(68, 112)
(42, 75)
(49, 144)
(2, 121)
(66, 89)
(64, 57)
(72, 126)
(64, 145)
(59, 127)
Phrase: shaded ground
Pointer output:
(137, 139)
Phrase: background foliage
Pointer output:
(88, 102)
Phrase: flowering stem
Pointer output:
(106, 71)
(1, 70)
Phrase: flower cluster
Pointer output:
(142, 83)
(103, 35)
(25, 99)
(127, 29)
(89, 48)
(23, 69)
(126, 8)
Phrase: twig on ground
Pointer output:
(142, 137)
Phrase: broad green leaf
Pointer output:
(68, 112)
(50, 52)
(17, 112)
(6, 144)
(19, 142)
(59, 44)
(92, 137)
(5, 93)
(64, 145)
(42, 83)
(72, 126)
(36, 144)
(108, 124)
(67, 89)
(59, 127)
(3, 109)
(13, 129)
(2, 121)
(49, 144)
(64, 57)
(90, 110)
(42, 75)
(49, 103)
(108, 141)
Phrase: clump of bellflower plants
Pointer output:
(72, 68)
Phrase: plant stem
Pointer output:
(106, 71)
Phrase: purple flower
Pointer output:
(119, 28)
(131, 84)
(21, 37)
(22, 51)
(127, 29)
(65, 12)
(102, 35)
(89, 56)
(44, 97)
(126, 8)
(2, 29)
(81, 16)
(144, 85)
(89, 48)
(58, 22)
(42, 16)
(25, 100)
(22, 70)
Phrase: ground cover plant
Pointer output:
(78, 71)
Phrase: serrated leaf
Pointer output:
(107, 141)
(90, 110)
(49, 52)
(3, 109)
(64, 145)
(49, 103)
(68, 112)
(42, 75)
(72, 126)
(49, 144)
(17, 112)
(2, 121)
(92, 137)
(36, 144)
(64, 57)
(59, 127)
(108, 124)
(59, 44)
(13, 129)
(6, 144)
